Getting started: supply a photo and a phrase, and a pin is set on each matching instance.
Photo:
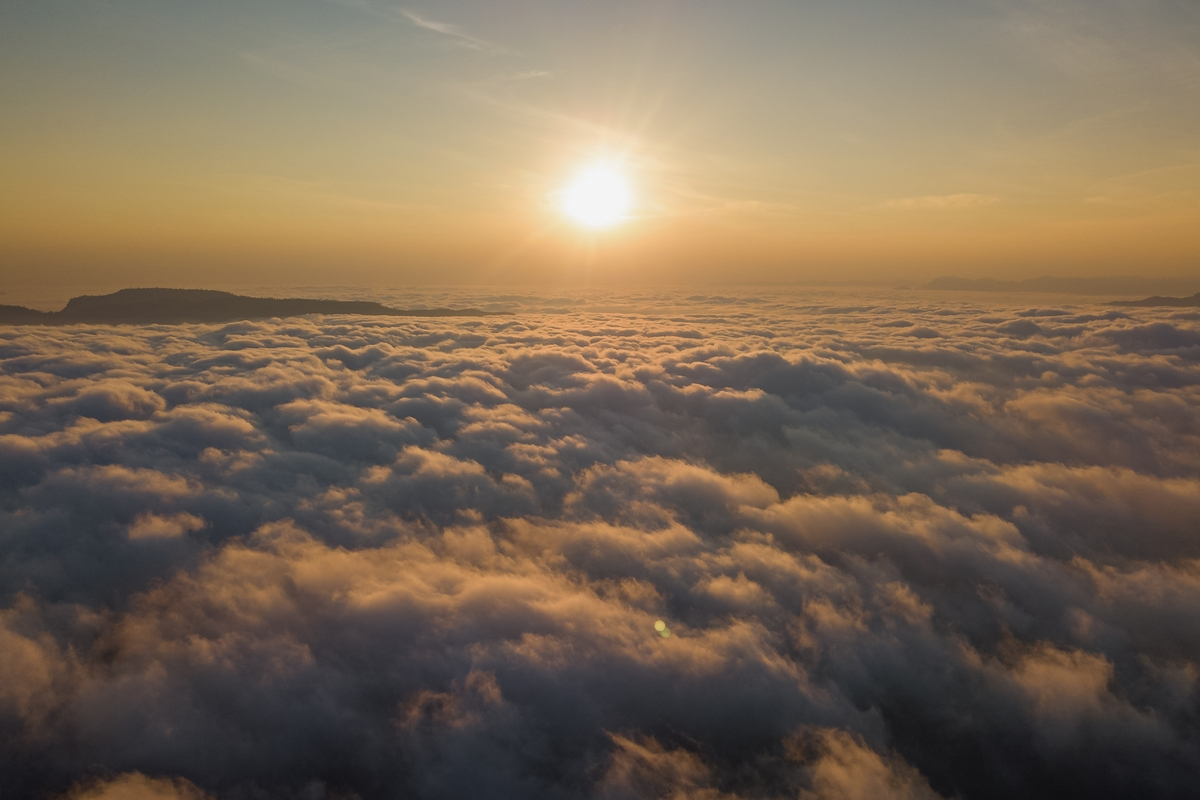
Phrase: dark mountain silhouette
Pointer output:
(1149, 302)
(1114, 284)
(171, 306)
(18, 315)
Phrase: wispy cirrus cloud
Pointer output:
(446, 29)
(529, 75)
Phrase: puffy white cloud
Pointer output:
(338, 557)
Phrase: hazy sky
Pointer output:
(354, 140)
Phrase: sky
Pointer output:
(335, 141)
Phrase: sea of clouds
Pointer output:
(904, 545)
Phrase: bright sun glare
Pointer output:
(599, 197)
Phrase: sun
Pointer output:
(598, 197)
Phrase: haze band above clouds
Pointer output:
(903, 550)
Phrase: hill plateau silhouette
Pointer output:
(175, 306)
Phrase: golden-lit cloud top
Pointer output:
(792, 543)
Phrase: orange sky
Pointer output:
(332, 142)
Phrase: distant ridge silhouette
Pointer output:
(1118, 284)
(174, 306)
(1150, 302)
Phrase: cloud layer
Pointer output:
(902, 549)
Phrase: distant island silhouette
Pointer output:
(1150, 302)
(1110, 285)
(174, 306)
